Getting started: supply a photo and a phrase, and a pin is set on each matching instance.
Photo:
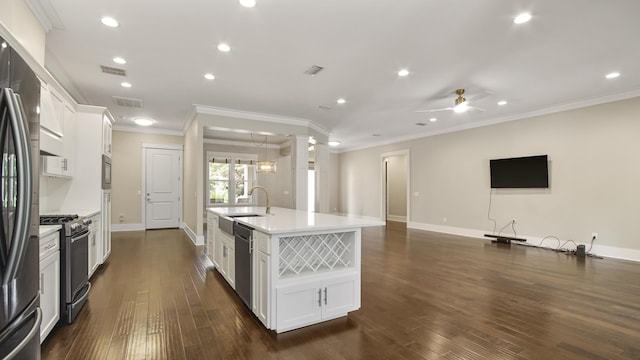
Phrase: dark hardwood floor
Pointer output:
(424, 296)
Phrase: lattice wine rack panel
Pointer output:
(312, 253)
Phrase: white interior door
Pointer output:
(163, 187)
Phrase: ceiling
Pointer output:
(558, 60)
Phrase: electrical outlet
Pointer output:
(121, 218)
(594, 236)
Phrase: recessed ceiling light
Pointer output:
(119, 60)
(248, 3)
(403, 72)
(143, 122)
(522, 18)
(502, 102)
(341, 101)
(224, 47)
(612, 75)
(334, 143)
(209, 76)
(110, 22)
(433, 119)
(125, 85)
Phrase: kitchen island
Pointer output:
(304, 267)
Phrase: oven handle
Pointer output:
(84, 296)
(79, 236)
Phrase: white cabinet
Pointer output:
(107, 128)
(212, 227)
(106, 225)
(261, 285)
(49, 283)
(227, 266)
(61, 162)
(303, 303)
(51, 122)
(95, 245)
(69, 148)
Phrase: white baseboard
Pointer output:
(600, 250)
(397, 218)
(197, 240)
(127, 227)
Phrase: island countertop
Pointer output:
(282, 220)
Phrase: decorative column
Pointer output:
(322, 178)
(299, 170)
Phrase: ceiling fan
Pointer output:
(460, 105)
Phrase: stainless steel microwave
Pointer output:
(106, 172)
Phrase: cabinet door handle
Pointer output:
(319, 297)
(325, 296)
(41, 284)
(50, 246)
(250, 245)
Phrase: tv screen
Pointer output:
(521, 172)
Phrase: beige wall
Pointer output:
(334, 182)
(127, 173)
(18, 19)
(397, 187)
(193, 183)
(594, 157)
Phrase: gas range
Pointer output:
(72, 224)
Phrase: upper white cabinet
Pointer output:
(62, 166)
(107, 128)
(69, 148)
(51, 122)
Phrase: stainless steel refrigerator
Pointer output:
(20, 314)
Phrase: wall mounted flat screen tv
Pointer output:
(521, 172)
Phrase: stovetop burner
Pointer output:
(56, 219)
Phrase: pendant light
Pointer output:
(266, 166)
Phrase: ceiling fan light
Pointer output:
(460, 108)
(248, 3)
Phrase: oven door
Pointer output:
(77, 265)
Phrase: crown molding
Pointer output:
(240, 143)
(46, 14)
(149, 130)
(210, 110)
(531, 114)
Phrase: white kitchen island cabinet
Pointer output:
(306, 266)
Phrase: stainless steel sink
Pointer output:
(225, 222)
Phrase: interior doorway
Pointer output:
(162, 186)
(395, 187)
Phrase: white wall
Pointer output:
(594, 156)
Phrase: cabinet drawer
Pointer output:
(49, 244)
(262, 241)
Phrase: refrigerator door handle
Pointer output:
(23, 163)
(27, 339)
(4, 251)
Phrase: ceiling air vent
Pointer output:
(113, 71)
(326, 107)
(128, 102)
(314, 69)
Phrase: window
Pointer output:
(230, 171)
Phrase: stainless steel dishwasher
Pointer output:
(244, 265)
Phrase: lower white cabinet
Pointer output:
(304, 303)
(95, 244)
(261, 285)
(227, 257)
(212, 229)
(105, 229)
(49, 283)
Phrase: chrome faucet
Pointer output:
(266, 193)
